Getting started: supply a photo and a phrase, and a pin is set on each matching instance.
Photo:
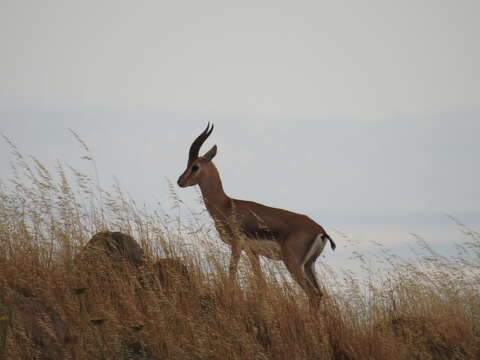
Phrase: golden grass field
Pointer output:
(57, 301)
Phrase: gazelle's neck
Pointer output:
(212, 190)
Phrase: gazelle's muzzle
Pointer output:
(180, 183)
(183, 179)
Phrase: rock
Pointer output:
(36, 331)
(109, 255)
(116, 246)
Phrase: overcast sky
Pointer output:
(364, 115)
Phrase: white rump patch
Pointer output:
(316, 248)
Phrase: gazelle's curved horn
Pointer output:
(197, 143)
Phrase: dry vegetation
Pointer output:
(62, 297)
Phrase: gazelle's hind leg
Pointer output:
(309, 263)
(296, 253)
(312, 276)
(310, 272)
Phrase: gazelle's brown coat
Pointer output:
(274, 233)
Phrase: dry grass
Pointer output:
(50, 307)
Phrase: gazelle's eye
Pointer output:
(194, 168)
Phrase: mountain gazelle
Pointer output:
(258, 229)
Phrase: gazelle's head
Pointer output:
(198, 166)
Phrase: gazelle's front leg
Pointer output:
(234, 258)
(257, 269)
(255, 262)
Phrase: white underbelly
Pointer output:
(268, 248)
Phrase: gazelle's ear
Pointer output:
(210, 154)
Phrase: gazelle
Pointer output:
(274, 233)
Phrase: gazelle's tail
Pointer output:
(332, 243)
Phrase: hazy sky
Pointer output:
(363, 114)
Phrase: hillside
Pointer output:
(164, 292)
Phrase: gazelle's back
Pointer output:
(255, 218)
